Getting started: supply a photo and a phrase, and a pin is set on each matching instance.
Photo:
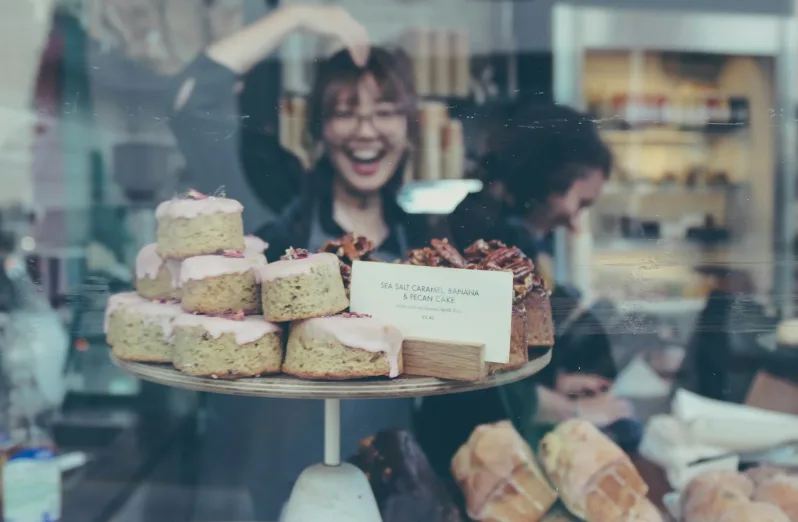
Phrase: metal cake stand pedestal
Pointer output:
(332, 491)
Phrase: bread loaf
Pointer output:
(781, 491)
(711, 495)
(754, 512)
(594, 478)
(500, 478)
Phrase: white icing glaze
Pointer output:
(202, 267)
(161, 314)
(122, 300)
(191, 208)
(148, 262)
(253, 245)
(173, 265)
(296, 267)
(252, 328)
(365, 333)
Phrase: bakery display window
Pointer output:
(392, 260)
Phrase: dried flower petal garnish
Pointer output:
(233, 253)
(235, 316)
(195, 194)
(292, 253)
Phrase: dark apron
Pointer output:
(264, 444)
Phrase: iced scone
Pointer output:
(138, 329)
(255, 247)
(218, 285)
(227, 349)
(197, 225)
(301, 286)
(346, 346)
(157, 278)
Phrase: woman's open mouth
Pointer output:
(366, 162)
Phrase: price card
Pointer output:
(446, 304)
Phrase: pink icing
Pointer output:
(123, 300)
(252, 328)
(149, 311)
(296, 267)
(191, 208)
(161, 314)
(173, 265)
(201, 267)
(253, 245)
(365, 333)
(148, 262)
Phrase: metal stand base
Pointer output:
(333, 491)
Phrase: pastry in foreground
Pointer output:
(346, 346)
(301, 286)
(596, 480)
(499, 476)
(198, 225)
(218, 285)
(225, 348)
(405, 485)
(713, 493)
(752, 512)
(782, 492)
(157, 278)
(140, 330)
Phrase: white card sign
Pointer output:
(446, 304)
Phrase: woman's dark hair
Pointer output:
(338, 76)
(541, 150)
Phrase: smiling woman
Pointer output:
(362, 121)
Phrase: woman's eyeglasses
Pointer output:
(384, 121)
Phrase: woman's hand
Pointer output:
(581, 384)
(240, 52)
(335, 22)
(603, 410)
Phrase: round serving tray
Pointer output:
(288, 387)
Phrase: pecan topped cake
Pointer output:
(495, 255)
(529, 288)
(349, 248)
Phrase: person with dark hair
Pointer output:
(362, 121)
(544, 165)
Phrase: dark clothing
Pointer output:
(444, 423)
(215, 140)
(269, 441)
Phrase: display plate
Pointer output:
(289, 387)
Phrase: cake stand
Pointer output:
(333, 491)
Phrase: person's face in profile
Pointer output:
(563, 210)
(365, 136)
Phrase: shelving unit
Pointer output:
(611, 50)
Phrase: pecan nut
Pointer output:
(448, 253)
